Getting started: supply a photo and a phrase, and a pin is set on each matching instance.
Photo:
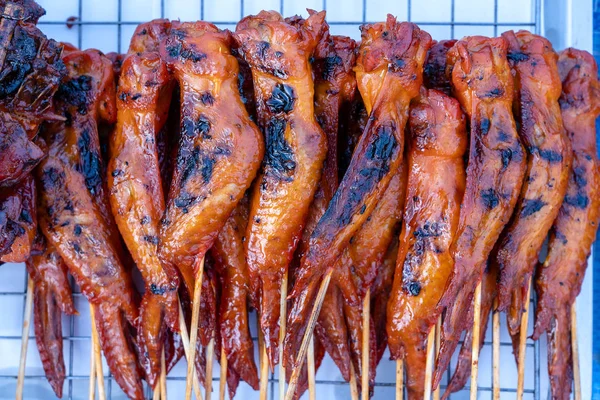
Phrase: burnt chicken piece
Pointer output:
(51, 298)
(558, 280)
(219, 149)
(278, 53)
(117, 61)
(73, 209)
(435, 188)
(537, 112)
(462, 371)
(389, 73)
(18, 221)
(483, 84)
(230, 263)
(436, 75)
(135, 185)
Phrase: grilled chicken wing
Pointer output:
(135, 184)
(536, 109)
(230, 263)
(389, 74)
(219, 149)
(483, 84)
(74, 211)
(278, 53)
(435, 73)
(18, 220)
(436, 184)
(51, 296)
(558, 280)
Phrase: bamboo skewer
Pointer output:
(496, 351)
(438, 343)
(92, 386)
(223, 375)
(475, 344)
(575, 353)
(429, 363)
(399, 379)
(97, 355)
(25, 338)
(366, 313)
(282, 331)
(163, 376)
(310, 367)
(210, 356)
(194, 331)
(156, 393)
(185, 339)
(263, 363)
(353, 385)
(522, 344)
(307, 335)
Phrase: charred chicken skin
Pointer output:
(389, 73)
(482, 82)
(536, 109)
(558, 280)
(436, 184)
(219, 149)
(435, 75)
(278, 53)
(51, 298)
(135, 185)
(18, 220)
(74, 211)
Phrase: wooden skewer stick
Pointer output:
(353, 385)
(97, 354)
(399, 379)
(310, 367)
(185, 339)
(163, 376)
(575, 353)
(475, 344)
(223, 375)
(522, 344)
(210, 356)
(366, 316)
(429, 363)
(92, 386)
(496, 351)
(25, 338)
(194, 331)
(312, 320)
(282, 330)
(438, 343)
(156, 393)
(263, 363)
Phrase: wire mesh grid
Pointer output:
(108, 25)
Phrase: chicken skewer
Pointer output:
(558, 280)
(483, 85)
(389, 52)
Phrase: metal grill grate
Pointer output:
(329, 383)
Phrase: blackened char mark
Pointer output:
(279, 158)
(375, 165)
(484, 126)
(282, 99)
(328, 65)
(490, 198)
(192, 54)
(194, 162)
(429, 229)
(517, 56)
(18, 62)
(192, 129)
(548, 155)
(74, 92)
(531, 206)
(90, 164)
(580, 200)
(506, 155)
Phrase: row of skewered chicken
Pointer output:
(397, 169)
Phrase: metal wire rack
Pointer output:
(123, 16)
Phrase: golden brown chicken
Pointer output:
(389, 73)
(536, 110)
(219, 149)
(558, 280)
(278, 53)
(135, 184)
(435, 188)
(483, 84)
(74, 212)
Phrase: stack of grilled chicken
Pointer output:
(279, 155)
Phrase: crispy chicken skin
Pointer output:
(278, 53)
(219, 149)
(435, 75)
(389, 74)
(18, 220)
(558, 280)
(537, 112)
(436, 184)
(135, 185)
(230, 262)
(51, 298)
(74, 211)
(482, 82)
